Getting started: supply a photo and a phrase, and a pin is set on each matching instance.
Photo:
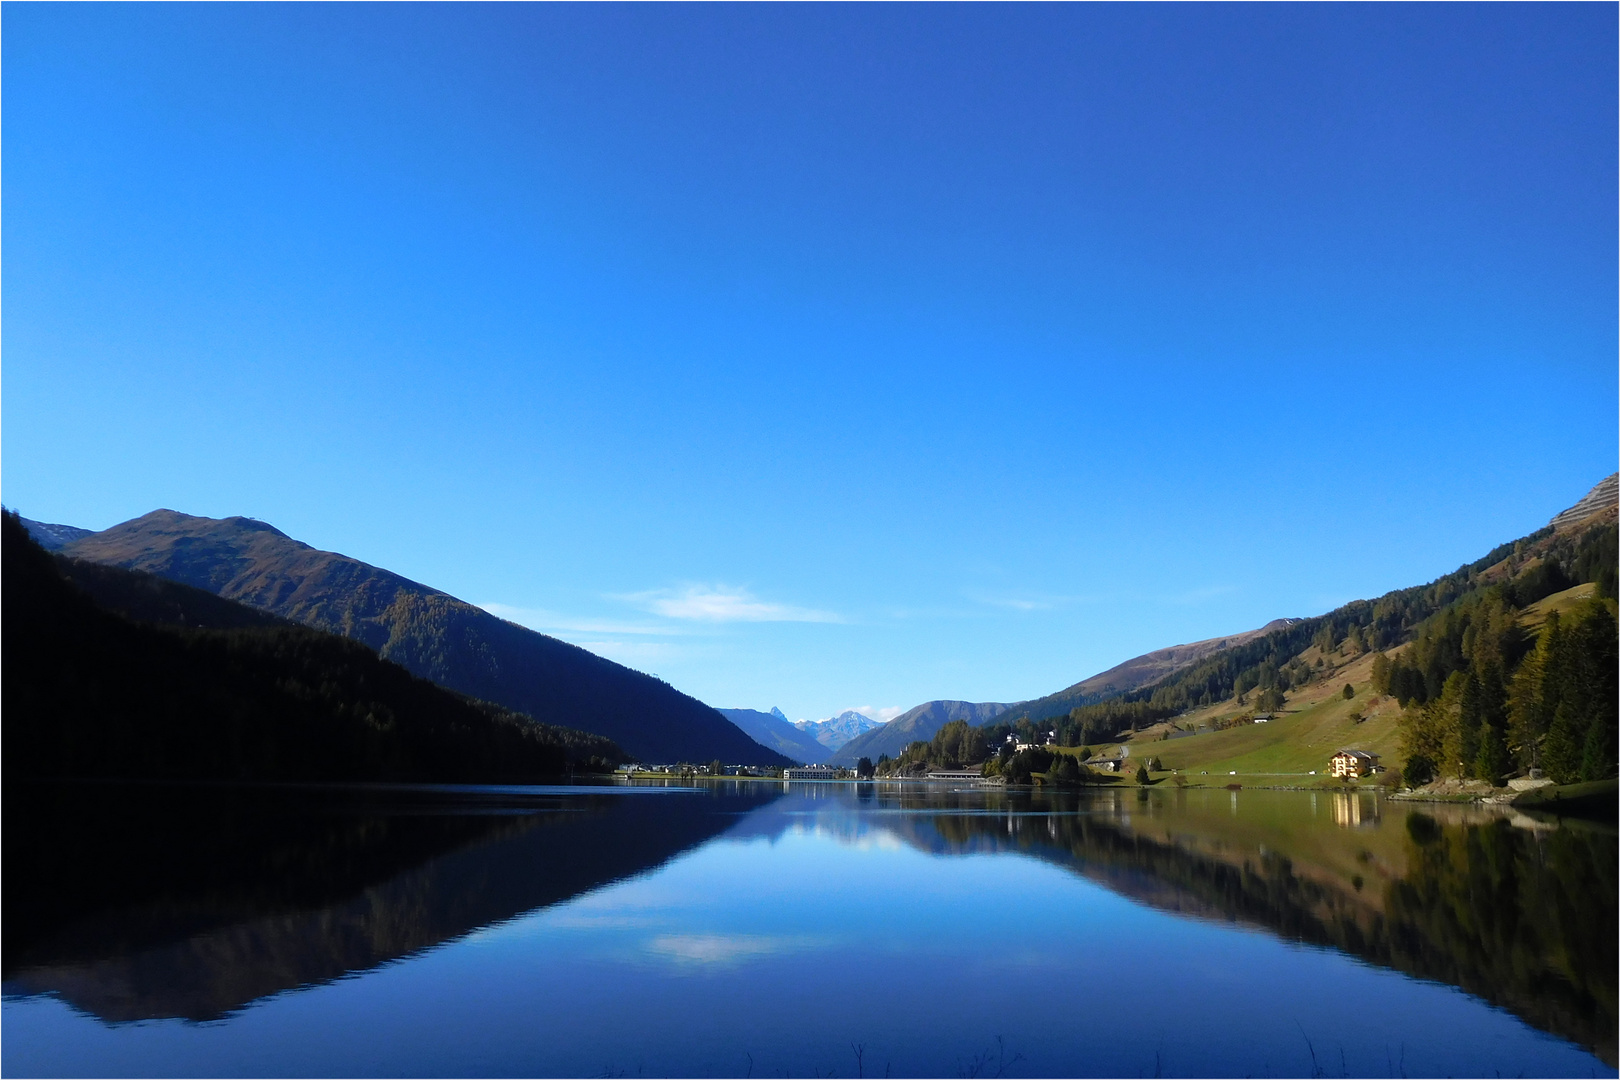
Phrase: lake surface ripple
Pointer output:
(761, 929)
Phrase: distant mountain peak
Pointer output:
(920, 722)
(779, 714)
(835, 731)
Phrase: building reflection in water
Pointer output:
(1352, 809)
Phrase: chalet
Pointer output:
(1354, 763)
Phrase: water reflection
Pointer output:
(143, 902)
(1518, 910)
(1352, 809)
(134, 904)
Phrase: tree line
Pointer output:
(1483, 699)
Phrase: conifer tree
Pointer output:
(1380, 674)
(1491, 761)
(1560, 753)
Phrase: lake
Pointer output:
(763, 929)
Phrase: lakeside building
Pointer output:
(811, 772)
(1354, 763)
(954, 774)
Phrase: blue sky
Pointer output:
(822, 356)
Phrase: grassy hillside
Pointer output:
(1452, 645)
(428, 632)
(1313, 724)
(1139, 671)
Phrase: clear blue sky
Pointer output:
(822, 356)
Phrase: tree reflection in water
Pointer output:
(134, 903)
(1518, 911)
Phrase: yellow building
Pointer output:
(1354, 763)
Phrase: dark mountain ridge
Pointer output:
(90, 692)
(426, 631)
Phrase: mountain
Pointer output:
(89, 692)
(914, 724)
(1137, 672)
(53, 537)
(835, 732)
(1603, 497)
(923, 721)
(1461, 677)
(428, 632)
(772, 731)
(1206, 684)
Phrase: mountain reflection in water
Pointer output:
(137, 903)
(141, 902)
(1517, 910)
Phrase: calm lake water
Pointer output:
(798, 930)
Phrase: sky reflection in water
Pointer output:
(816, 923)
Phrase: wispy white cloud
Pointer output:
(721, 603)
(1026, 601)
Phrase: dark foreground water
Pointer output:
(795, 931)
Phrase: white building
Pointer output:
(811, 772)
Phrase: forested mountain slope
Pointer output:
(90, 692)
(919, 723)
(1139, 671)
(1481, 688)
(428, 632)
